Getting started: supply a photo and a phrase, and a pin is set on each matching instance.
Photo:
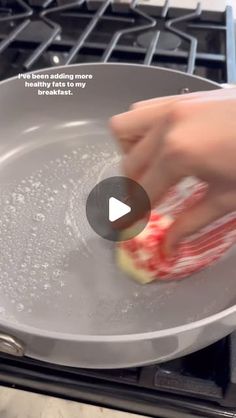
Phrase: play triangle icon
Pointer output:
(117, 209)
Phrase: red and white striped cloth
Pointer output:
(194, 253)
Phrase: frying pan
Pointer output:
(62, 298)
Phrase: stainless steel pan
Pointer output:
(62, 298)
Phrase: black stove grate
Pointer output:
(43, 33)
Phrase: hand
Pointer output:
(167, 139)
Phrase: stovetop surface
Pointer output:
(42, 33)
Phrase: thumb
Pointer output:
(205, 211)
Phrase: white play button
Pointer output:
(117, 209)
(115, 204)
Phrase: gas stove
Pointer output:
(42, 33)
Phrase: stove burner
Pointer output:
(166, 41)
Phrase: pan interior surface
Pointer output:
(56, 274)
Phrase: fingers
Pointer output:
(159, 161)
(127, 143)
(130, 127)
(132, 123)
(145, 151)
(204, 212)
(157, 184)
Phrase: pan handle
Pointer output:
(11, 345)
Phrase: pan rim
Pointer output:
(114, 64)
(32, 331)
(122, 338)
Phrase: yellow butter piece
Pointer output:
(125, 261)
(126, 264)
